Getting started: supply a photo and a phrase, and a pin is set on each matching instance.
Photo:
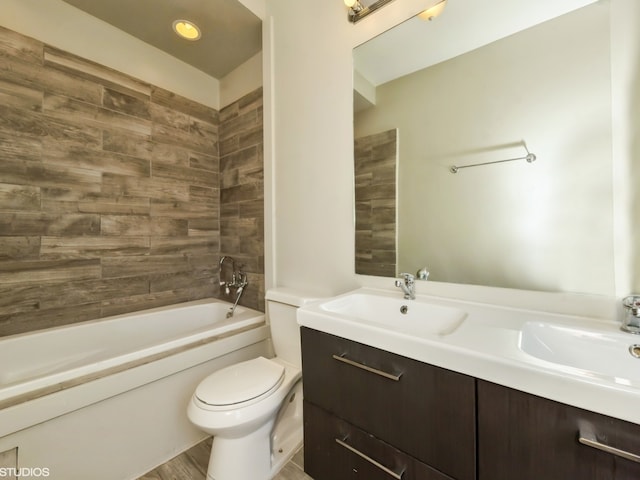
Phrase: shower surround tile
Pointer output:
(375, 203)
(242, 191)
(117, 195)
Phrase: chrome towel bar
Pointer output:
(529, 157)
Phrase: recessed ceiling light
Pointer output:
(186, 29)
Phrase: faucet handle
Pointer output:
(632, 302)
(407, 277)
(422, 274)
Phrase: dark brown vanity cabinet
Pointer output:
(337, 450)
(372, 414)
(525, 437)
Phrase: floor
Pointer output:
(192, 465)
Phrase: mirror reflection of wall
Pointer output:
(547, 225)
(375, 199)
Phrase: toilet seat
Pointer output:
(240, 384)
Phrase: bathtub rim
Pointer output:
(46, 381)
(30, 411)
(86, 323)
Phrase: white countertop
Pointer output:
(486, 346)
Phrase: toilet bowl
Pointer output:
(253, 409)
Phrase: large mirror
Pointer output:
(545, 89)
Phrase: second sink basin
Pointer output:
(597, 352)
(414, 317)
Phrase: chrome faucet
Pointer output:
(408, 285)
(631, 320)
(223, 283)
(238, 281)
(422, 274)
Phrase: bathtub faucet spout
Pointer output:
(239, 291)
(238, 281)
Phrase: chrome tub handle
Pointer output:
(391, 376)
(587, 438)
(387, 470)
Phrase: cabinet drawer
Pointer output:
(531, 438)
(425, 411)
(336, 450)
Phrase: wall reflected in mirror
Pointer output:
(546, 225)
(375, 159)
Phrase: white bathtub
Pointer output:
(50, 375)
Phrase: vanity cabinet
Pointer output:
(368, 411)
(525, 437)
(337, 450)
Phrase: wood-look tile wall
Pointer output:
(375, 198)
(242, 191)
(109, 191)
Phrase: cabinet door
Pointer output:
(524, 437)
(336, 450)
(425, 411)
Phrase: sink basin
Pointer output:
(582, 361)
(413, 317)
(596, 352)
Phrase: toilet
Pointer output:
(253, 409)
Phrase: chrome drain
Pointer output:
(404, 309)
(635, 350)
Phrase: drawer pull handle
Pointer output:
(387, 470)
(391, 376)
(589, 439)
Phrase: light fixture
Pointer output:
(186, 29)
(433, 12)
(354, 5)
(357, 11)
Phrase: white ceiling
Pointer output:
(231, 34)
(463, 26)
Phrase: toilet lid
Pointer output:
(241, 382)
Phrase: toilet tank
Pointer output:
(282, 305)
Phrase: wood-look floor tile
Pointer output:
(298, 458)
(182, 467)
(192, 465)
(200, 453)
(292, 472)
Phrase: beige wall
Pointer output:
(625, 61)
(312, 151)
(309, 177)
(311, 164)
(510, 225)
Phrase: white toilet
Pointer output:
(253, 409)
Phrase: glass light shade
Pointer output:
(433, 12)
(186, 29)
(350, 3)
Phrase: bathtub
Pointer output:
(51, 379)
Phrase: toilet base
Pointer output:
(287, 435)
(244, 458)
(263, 453)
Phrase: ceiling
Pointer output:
(231, 33)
